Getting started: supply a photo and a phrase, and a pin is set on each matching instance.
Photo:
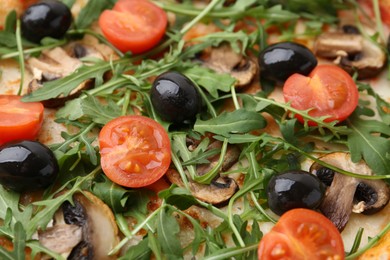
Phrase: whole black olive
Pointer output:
(175, 98)
(294, 189)
(48, 18)
(27, 166)
(279, 61)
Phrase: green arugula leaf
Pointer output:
(211, 81)
(167, 231)
(141, 251)
(370, 141)
(9, 200)
(238, 121)
(19, 242)
(90, 108)
(91, 12)
(178, 197)
(112, 194)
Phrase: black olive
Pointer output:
(350, 29)
(27, 166)
(279, 61)
(48, 18)
(175, 98)
(294, 189)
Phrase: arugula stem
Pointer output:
(370, 244)
(31, 50)
(334, 168)
(20, 56)
(336, 130)
(140, 226)
(231, 253)
(200, 16)
(261, 209)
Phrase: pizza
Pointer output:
(139, 129)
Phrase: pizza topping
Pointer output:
(19, 120)
(57, 63)
(328, 92)
(48, 18)
(27, 166)
(133, 25)
(302, 234)
(294, 189)
(353, 52)
(175, 98)
(281, 60)
(223, 59)
(218, 192)
(85, 229)
(347, 194)
(221, 188)
(135, 151)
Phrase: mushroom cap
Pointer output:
(348, 194)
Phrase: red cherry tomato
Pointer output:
(302, 234)
(135, 151)
(328, 91)
(19, 120)
(134, 25)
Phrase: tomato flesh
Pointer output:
(135, 151)
(328, 91)
(302, 234)
(19, 120)
(134, 25)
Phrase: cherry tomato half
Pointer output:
(19, 120)
(302, 234)
(328, 91)
(134, 25)
(135, 151)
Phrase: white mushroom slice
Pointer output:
(347, 194)
(224, 59)
(84, 230)
(57, 63)
(216, 193)
(353, 52)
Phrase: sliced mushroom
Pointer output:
(57, 63)
(351, 51)
(218, 192)
(85, 229)
(224, 59)
(221, 188)
(346, 194)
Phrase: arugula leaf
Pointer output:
(112, 194)
(211, 81)
(178, 197)
(89, 108)
(370, 141)
(91, 12)
(140, 251)
(167, 231)
(238, 121)
(19, 242)
(9, 200)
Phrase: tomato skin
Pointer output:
(135, 151)
(19, 120)
(328, 90)
(134, 25)
(302, 234)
